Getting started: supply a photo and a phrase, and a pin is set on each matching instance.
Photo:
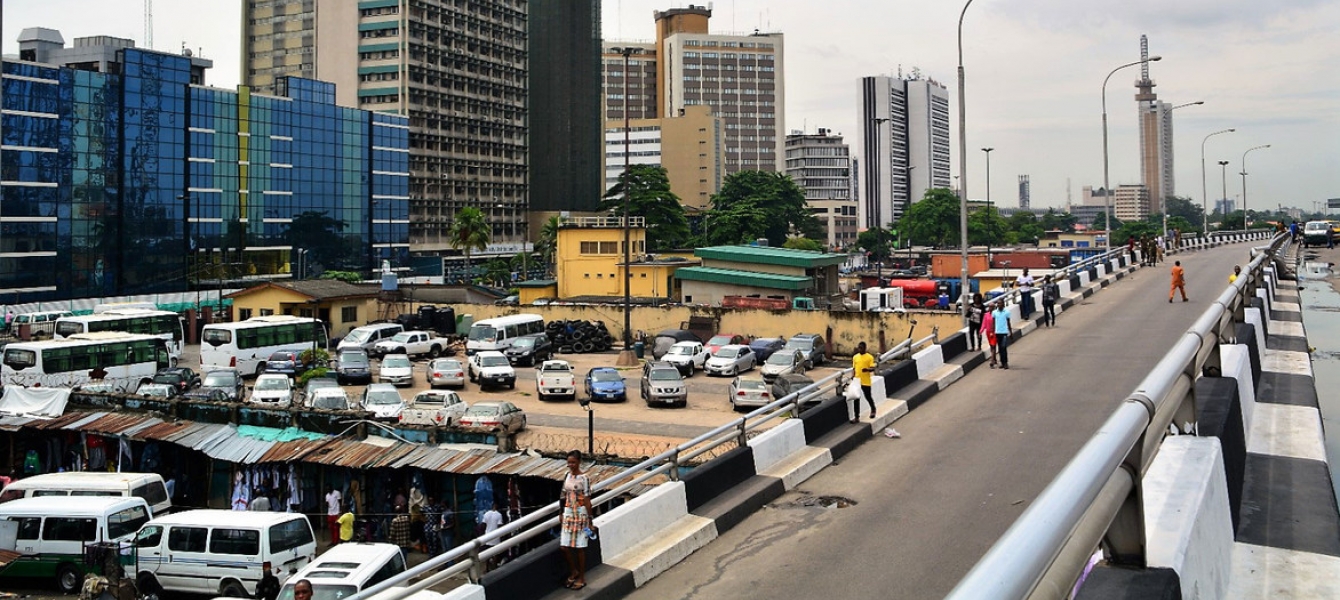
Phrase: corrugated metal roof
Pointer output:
(15, 423)
(746, 278)
(769, 255)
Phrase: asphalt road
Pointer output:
(928, 506)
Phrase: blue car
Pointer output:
(606, 384)
(764, 347)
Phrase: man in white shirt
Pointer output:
(333, 514)
(1025, 284)
(492, 521)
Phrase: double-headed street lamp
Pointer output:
(1244, 182)
(1223, 182)
(1107, 188)
(1205, 195)
(627, 358)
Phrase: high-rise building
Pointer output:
(1130, 203)
(690, 147)
(1025, 193)
(457, 69)
(739, 76)
(904, 144)
(132, 180)
(1156, 136)
(565, 114)
(820, 163)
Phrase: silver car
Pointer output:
(783, 361)
(662, 384)
(749, 392)
(396, 369)
(446, 372)
(730, 360)
(494, 416)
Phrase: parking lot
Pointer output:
(626, 428)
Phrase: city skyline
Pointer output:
(1033, 74)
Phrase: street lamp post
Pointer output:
(1205, 195)
(1163, 203)
(1107, 188)
(626, 357)
(963, 175)
(989, 206)
(1244, 182)
(1223, 181)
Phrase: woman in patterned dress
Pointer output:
(576, 501)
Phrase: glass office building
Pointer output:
(135, 181)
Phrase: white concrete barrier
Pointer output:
(1265, 301)
(774, 445)
(642, 517)
(928, 360)
(1252, 316)
(1084, 278)
(1188, 525)
(1064, 284)
(1236, 362)
(469, 591)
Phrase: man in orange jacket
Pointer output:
(1178, 282)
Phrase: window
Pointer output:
(246, 542)
(590, 248)
(267, 312)
(153, 493)
(70, 529)
(29, 527)
(244, 313)
(289, 535)
(349, 314)
(127, 521)
(149, 537)
(187, 539)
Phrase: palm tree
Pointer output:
(548, 242)
(469, 231)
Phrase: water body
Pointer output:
(1319, 295)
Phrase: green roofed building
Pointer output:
(760, 271)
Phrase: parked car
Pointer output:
(181, 379)
(507, 301)
(812, 344)
(749, 392)
(413, 343)
(434, 407)
(352, 365)
(288, 362)
(764, 347)
(445, 372)
(222, 385)
(669, 337)
(787, 383)
(732, 359)
(396, 369)
(686, 356)
(606, 384)
(490, 367)
(1316, 233)
(494, 416)
(787, 361)
(721, 340)
(156, 390)
(365, 337)
(383, 401)
(530, 350)
(274, 390)
(555, 379)
(317, 383)
(328, 398)
(662, 384)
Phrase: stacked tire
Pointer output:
(579, 337)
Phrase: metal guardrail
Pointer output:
(1096, 499)
(469, 558)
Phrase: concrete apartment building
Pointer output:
(738, 76)
(820, 163)
(904, 144)
(691, 147)
(458, 70)
(1130, 203)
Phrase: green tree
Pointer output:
(468, 232)
(1232, 221)
(1177, 206)
(986, 226)
(1054, 221)
(803, 243)
(1134, 229)
(934, 220)
(759, 204)
(650, 197)
(345, 276)
(1100, 222)
(1179, 223)
(498, 271)
(877, 241)
(547, 245)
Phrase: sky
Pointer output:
(1033, 70)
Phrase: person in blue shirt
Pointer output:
(1001, 315)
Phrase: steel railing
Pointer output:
(469, 558)
(1096, 499)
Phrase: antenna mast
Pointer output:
(1144, 57)
(149, 24)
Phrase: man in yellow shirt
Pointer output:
(346, 522)
(863, 364)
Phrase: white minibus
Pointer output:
(52, 533)
(220, 552)
(121, 359)
(347, 569)
(162, 323)
(148, 486)
(497, 333)
(246, 345)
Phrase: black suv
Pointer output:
(223, 385)
(181, 379)
(530, 350)
(353, 366)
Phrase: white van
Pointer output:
(220, 552)
(347, 569)
(497, 333)
(148, 486)
(40, 324)
(51, 533)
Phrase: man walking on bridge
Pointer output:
(863, 364)
(1178, 282)
(1001, 316)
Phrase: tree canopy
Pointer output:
(759, 204)
(650, 197)
(803, 243)
(469, 231)
(934, 220)
(878, 242)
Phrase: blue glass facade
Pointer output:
(138, 182)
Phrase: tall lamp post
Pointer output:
(1163, 204)
(962, 176)
(1223, 182)
(1244, 182)
(627, 358)
(1205, 195)
(1107, 188)
(989, 206)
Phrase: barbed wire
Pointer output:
(608, 446)
(126, 385)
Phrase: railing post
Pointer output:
(476, 564)
(743, 438)
(673, 473)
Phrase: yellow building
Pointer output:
(691, 147)
(342, 306)
(590, 261)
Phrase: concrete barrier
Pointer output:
(714, 477)
(1235, 361)
(1188, 527)
(928, 360)
(774, 445)
(1219, 415)
(641, 517)
(468, 591)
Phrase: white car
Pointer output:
(494, 416)
(273, 390)
(396, 369)
(786, 360)
(555, 378)
(749, 392)
(491, 368)
(383, 401)
(328, 398)
(687, 357)
(731, 360)
(434, 407)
